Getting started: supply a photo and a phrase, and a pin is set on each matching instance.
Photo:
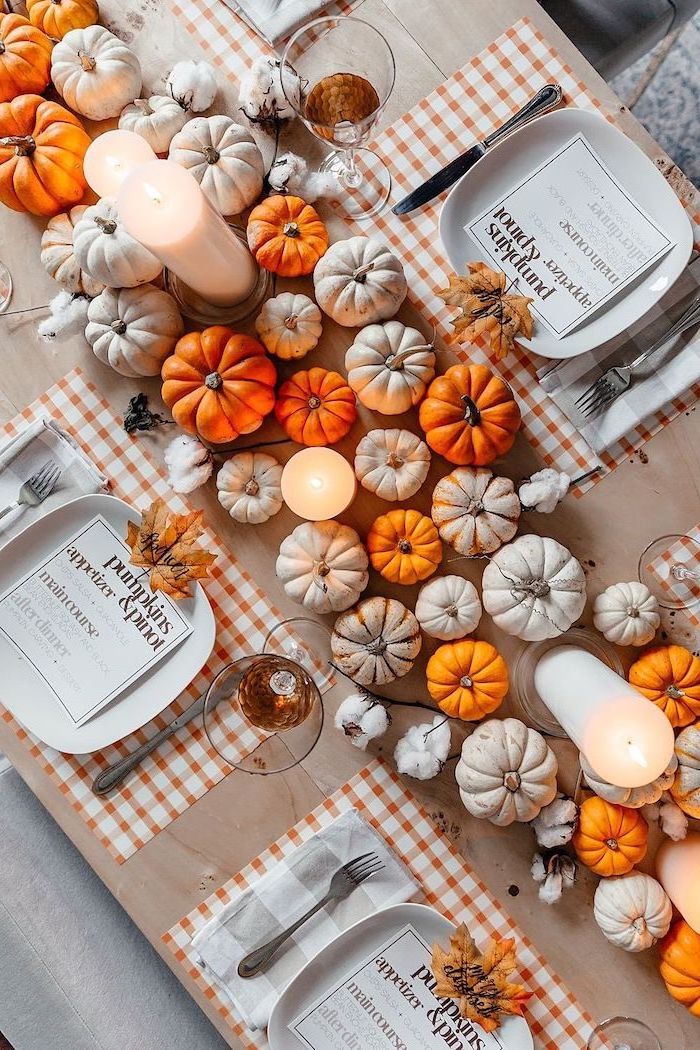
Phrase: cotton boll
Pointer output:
(67, 318)
(554, 825)
(672, 819)
(423, 750)
(193, 85)
(554, 875)
(261, 95)
(544, 490)
(189, 463)
(290, 174)
(362, 718)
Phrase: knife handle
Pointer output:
(546, 98)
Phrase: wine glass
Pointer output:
(5, 287)
(670, 567)
(337, 75)
(623, 1033)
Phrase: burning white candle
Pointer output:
(111, 157)
(318, 483)
(163, 207)
(678, 870)
(627, 740)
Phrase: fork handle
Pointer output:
(690, 317)
(13, 506)
(256, 960)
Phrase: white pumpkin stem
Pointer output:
(512, 780)
(360, 274)
(144, 105)
(320, 570)
(118, 326)
(252, 488)
(395, 362)
(211, 154)
(106, 225)
(291, 322)
(394, 461)
(87, 61)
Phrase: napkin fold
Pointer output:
(668, 374)
(282, 896)
(25, 454)
(276, 19)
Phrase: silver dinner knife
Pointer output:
(547, 98)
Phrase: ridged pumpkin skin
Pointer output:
(469, 416)
(218, 384)
(58, 17)
(404, 546)
(41, 167)
(467, 679)
(25, 58)
(669, 676)
(316, 407)
(610, 839)
(680, 965)
(286, 235)
(686, 784)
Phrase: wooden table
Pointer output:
(655, 492)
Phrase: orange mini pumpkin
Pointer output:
(219, 384)
(680, 965)
(25, 58)
(58, 17)
(404, 546)
(610, 839)
(669, 676)
(286, 235)
(469, 415)
(467, 679)
(316, 407)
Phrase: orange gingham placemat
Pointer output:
(555, 1017)
(185, 767)
(684, 551)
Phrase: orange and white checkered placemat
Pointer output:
(684, 551)
(556, 1019)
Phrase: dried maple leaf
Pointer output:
(479, 982)
(487, 308)
(166, 545)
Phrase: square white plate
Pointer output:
(507, 164)
(30, 700)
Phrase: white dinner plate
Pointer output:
(30, 700)
(353, 946)
(508, 163)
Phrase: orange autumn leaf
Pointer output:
(487, 308)
(166, 545)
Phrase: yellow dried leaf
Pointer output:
(487, 309)
(166, 545)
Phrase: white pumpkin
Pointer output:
(224, 159)
(95, 72)
(192, 83)
(506, 772)
(323, 566)
(250, 487)
(632, 798)
(686, 785)
(474, 511)
(376, 641)
(534, 588)
(448, 607)
(359, 281)
(393, 464)
(389, 367)
(633, 911)
(627, 614)
(156, 119)
(58, 257)
(289, 325)
(109, 254)
(133, 330)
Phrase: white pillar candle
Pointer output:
(111, 157)
(627, 739)
(318, 483)
(163, 207)
(678, 871)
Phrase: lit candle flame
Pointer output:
(316, 483)
(637, 755)
(153, 193)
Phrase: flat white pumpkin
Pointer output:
(250, 487)
(156, 119)
(105, 251)
(393, 464)
(95, 72)
(359, 281)
(448, 607)
(389, 367)
(289, 325)
(686, 785)
(534, 588)
(224, 159)
(475, 512)
(376, 641)
(627, 614)
(633, 911)
(323, 566)
(632, 798)
(133, 330)
(58, 257)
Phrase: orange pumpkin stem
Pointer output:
(674, 692)
(291, 229)
(213, 381)
(471, 411)
(87, 61)
(2, 48)
(106, 225)
(465, 681)
(405, 546)
(314, 401)
(211, 154)
(24, 144)
(612, 844)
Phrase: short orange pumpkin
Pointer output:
(316, 407)
(468, 679)
(404, 546)
(25, 58)
(669, 676)
(58, 17)
(286, 235)
(610, 839)
(680, 965)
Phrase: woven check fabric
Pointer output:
(684, 551)
(556, 1019)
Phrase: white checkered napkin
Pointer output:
(683, 551)
(278, 899)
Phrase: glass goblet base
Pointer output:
(371, 193)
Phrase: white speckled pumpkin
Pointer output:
(250, 487)
(289, 325)
(108, 253)
(95, 72)
(133, 330)
(633, 911)
(358, 282)
(474, 511)
(323, 566)
(393, 464)
(58, 257)
(448, 607)
(631, 798)
(156, 119)
(376, 641)
(627, 614)
(686, 786)
(224, 159)
(389, 367)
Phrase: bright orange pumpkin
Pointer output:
(468, 679)
(219, 384)
(25, 58)
(680, 965)
(610, 839)
(669, 676)
(469, 415)
(58, 17)
(404, 546)
(286, 235)
(42, 147)
(316, 407)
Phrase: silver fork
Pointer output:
(37, 488)
(615, 380)
(345, 880)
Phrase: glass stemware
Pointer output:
(5, 288)
(623, 1033)
(682, 588)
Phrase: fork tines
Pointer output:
(596, 397)
(362, 867)
(44, 480)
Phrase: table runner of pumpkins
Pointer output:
(555, 1017)
(467, 106)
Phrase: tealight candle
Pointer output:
(678, 871)
(627, 740)
(318, 483)
(111, 157)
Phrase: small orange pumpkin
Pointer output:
(669, 676)
(469, 415)
(286, 235)
(468, 679)
(316, 407)
(404, 546)
(680, 965)
(25, 58)
(219, 384)
(610, 839)
(58, 17)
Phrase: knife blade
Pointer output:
(546, 99)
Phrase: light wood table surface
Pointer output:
(655, 492)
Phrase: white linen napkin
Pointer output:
(25, 454)
(276, 19)
(668, 374)
(281, 897)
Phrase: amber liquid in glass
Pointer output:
(343, 98)
(275, 695)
